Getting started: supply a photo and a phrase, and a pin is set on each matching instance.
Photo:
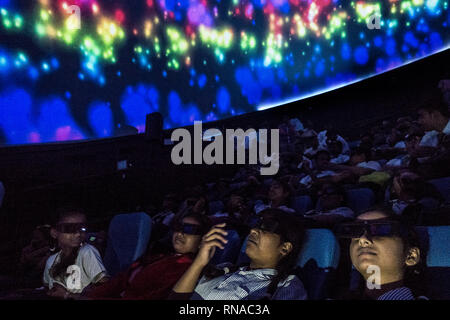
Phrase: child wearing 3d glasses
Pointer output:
(76, 265)
(386, 252)
(153, 276)
(273, 246)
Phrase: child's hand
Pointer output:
(215, 238)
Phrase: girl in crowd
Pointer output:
(273, 246)
(153, 276)
(76, 265)
(386, 252)
(410, 194)
(279, 196)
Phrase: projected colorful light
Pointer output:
(64, 78)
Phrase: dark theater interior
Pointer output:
(98, 98)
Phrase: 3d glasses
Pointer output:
(71, 227)
(267, 225)
(187, 228)
(370, 228)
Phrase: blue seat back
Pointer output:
(443, 186)
(360, 199)
(317, 262)
(128, 237)
(231, 251)
(436, 240)
(301, 204)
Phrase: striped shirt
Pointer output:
(248, 285)
(402, 293)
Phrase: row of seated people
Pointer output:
(322, 179)
(279, 259)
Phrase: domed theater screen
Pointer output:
(82, 69)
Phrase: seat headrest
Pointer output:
(322, 246)
(437, 241)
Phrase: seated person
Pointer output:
(237, 214)
(194, 201)
(361, 158)
(331, 206)
(279, 196)
(335, 149)
(382, 243)
(409, 190)
(432, 154)
(311, 142)
(34, 257)
(435, 119)
(296, 125)
(273, 247)
(153, 276)
(161, 221)
(395, 139)
(322, 172)
(76, 265)
(366, 141)
(359, 165)
(326, 137)
(169, 207)
(412, 140)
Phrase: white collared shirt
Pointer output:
(249, 285)
(90, 266)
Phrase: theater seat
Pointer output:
(443, 186)
(437, 273)
(128, 237)
(317, 262)
(359, 200)
(230, 252)
(301, 204)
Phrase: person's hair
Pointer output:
(291, 230)
(60, 269)
(413, 276)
